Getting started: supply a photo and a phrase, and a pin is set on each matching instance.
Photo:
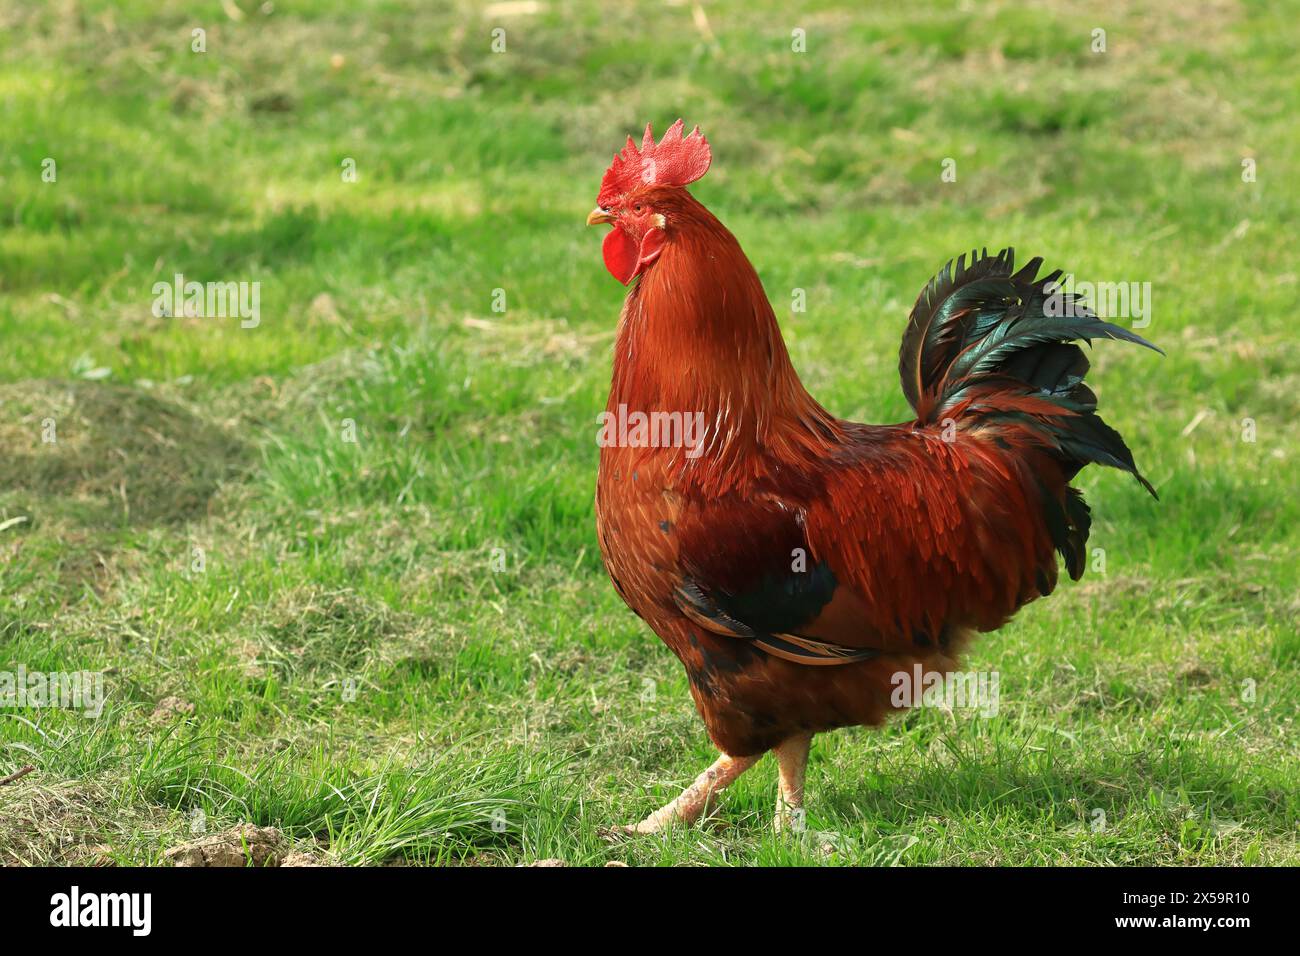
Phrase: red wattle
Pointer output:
(620, 255)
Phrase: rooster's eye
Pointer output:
(636, 208)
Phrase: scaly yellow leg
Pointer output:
(792, 761)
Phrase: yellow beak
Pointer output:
(599, 215)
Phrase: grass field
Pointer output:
(403, 647)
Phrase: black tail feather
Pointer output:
(982, 322)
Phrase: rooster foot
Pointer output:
(693, 801)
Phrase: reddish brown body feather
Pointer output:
(928, 540)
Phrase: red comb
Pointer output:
(673, 161)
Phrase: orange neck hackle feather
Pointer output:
(698, 334)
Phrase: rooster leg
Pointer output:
(791, 759)
(695, 798)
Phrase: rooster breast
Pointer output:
(727, 581)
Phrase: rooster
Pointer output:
(796, 562)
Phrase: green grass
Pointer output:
(361, 677)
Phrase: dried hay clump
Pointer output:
(108, 453)
(74, 822)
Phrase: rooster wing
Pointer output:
(903, 536)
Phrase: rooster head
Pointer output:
(629, 194)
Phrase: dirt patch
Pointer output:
(244, 845)
(108, 454)
(170, 709)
